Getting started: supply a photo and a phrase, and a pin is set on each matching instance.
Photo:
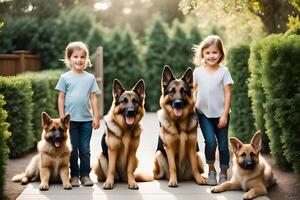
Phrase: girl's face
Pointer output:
(212, 55)
(78, 60)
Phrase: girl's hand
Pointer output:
(223, 121)
(96, 123)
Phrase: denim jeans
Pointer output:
(80, 134)
(213, 137)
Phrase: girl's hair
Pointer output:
(208, 41)
(78, 45)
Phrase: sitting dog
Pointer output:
(250, 171)
(119, 144)
(54, 150)
(177, 154)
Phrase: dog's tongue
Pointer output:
(177, 112)
(129, 120)
(57, 144)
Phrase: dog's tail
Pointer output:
(18, 177)
(139, 177)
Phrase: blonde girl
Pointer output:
(213, 97)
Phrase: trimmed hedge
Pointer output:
(241, 117)
(262, 106)
(280, 80)
(4, 150)
(18, 96)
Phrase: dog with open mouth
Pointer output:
(51, 164)
(118, 160)
(177, 156)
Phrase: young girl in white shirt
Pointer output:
(213, 82)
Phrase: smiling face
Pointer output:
(212, 55)
(77, 60)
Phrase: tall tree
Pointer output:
(274, 14)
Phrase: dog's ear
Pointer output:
(46, 120)
(118, 88)
(256, 141)
(66, 120)
(139, 88)
(188, 77)
(167, 76)
(236, 144)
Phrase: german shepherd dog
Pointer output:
(119, 144)
(177, 156)
(250, 171)
(54, 150)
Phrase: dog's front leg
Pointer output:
(170, 147)
(132, 164)
(64, 176)
(45, 176)
(112, 155)
(255, 192)
(192, 138)
(228, 185)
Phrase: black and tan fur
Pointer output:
(122, 137)
(54, 150)
(250, 171)
(178, 131)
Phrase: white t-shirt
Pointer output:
(210, 90)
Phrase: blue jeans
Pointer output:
(214, 136)
(80, 134)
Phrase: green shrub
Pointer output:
(4, 150)
(262, 108)
(40, 98)
(241, 117)
(281, 83)
(18, 96)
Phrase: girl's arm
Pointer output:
(61, 102)
(224, 117)
(96, 118)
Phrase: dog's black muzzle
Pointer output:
(57, 136)
(248, 164)
(178, 103)
(130, 112)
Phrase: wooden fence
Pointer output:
(18, 62)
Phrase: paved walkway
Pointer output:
(155, 190)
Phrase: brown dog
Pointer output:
(177, 156)
(118, 159)
(54, 150)
(250, 171)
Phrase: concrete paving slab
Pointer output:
(156, 190)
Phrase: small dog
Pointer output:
(177, 153)
(118, 159)
(250, 171)
(54, 150)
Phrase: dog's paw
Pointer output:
(67, 186)
(173, 183)
(108, 185)
(24, 181)
(44, 186)
(201, 180)
(133, 186)
(216, 189)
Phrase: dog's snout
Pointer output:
(249, 164)
(178, 103)
(130, 112)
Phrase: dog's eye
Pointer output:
(243, 154)
(124, 101)
(134, 101)
(60, 129)
(173, 91)
(183, 92)
(252, 154)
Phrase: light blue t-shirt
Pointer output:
(77, 89)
